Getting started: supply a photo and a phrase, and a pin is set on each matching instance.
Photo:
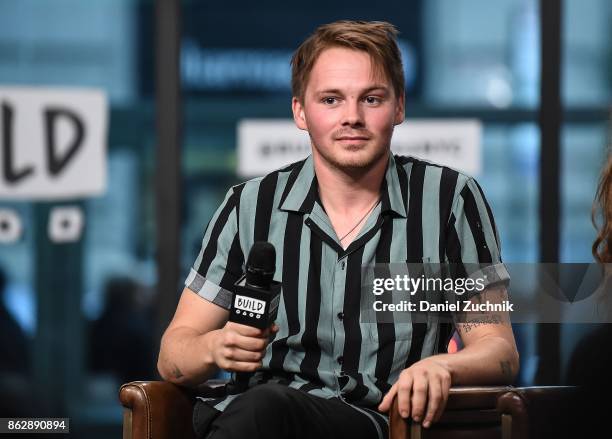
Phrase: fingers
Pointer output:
(252, 344)
(247, 331)
(419, 397)
(386, 402)
(237, 354)
(238, 360)
(422, 392)
(434, 402)
(404, 390)
(445, 384)
(241, 348)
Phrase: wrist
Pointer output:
(208, 348)
(445, 361)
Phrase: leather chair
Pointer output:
(161, 410)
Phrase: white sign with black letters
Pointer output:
(268, 144)
(52, 142)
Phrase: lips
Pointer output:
(352, 138)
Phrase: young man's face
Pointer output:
(348, 111)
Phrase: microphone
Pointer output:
(255, 301)
(256, 294)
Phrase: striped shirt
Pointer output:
(427, 213)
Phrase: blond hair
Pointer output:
(377, 38)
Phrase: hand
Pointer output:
(240, 348)
(422, 391)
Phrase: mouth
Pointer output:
(351, 140)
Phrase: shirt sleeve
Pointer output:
(220, 261)
(472, 246)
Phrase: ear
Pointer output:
(298, 114)
(399, 110)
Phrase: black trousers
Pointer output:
(275, 411)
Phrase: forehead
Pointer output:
(343, 68)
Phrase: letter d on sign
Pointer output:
(55, 163)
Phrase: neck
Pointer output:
(346, 192)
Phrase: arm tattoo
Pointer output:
(506, 369)
(176, 372)
(468, 325)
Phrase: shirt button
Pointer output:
(341, 315)
(343, 264)
(340, 359)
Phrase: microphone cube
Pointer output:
(253, 306)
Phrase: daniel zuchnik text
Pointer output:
(423, 305)
(412, 285)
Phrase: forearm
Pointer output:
(185, 356)
(491, 360)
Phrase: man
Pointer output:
(321, 371)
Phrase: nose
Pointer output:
(353, 113)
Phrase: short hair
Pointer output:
(377, 38)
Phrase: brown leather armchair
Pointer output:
(161, 410)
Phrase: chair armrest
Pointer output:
(157, 409)
(492, 412)
(466, 405)
(540, 411)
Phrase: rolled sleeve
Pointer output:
(208, 290)
(491, 275)
(220, 260)
(473, 244)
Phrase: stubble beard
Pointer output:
(355, 165)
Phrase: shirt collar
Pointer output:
(302, 189)
(392, 199)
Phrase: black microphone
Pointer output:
(256, 294)
(255, 301)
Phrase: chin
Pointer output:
(355, 164)
(353, 158)
(359, 160)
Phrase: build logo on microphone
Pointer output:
(249, 306)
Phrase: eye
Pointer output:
(329, 100)
(372, 100)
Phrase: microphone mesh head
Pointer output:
(261, 264)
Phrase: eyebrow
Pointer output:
(383, 88)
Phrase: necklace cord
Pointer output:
(362, 218)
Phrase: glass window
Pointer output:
(587, 53)
(481, 53)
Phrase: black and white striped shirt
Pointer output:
(427, 213)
